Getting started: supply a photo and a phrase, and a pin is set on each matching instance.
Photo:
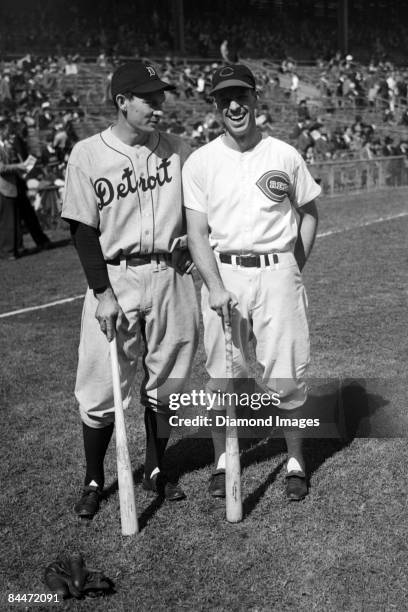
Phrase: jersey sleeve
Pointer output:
(79, 201)
(305, 189)
(185, 151)
(194, 184)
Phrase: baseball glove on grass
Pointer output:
(69, 577)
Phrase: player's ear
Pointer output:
(121, 102)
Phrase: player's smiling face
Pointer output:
(142, 111)
(237, 108)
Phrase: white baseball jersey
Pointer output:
(249, 197)
(130, 194)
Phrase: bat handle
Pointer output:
(232, 459)
(228, 347)
(128, 513)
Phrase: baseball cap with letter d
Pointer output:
(137, 77)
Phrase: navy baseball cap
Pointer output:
(138, 77)
(236, 75)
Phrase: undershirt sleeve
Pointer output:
(86, 241)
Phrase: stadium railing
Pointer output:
(357, 176)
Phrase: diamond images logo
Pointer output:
(274, 184)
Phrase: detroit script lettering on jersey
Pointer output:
(106, 192)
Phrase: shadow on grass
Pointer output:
(355, 410)
(55, 244)
(252, 500)
(345, 411)
(151, 509)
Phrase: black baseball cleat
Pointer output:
(296, 486)
(217, 484)
(160, 485)
(88, 505)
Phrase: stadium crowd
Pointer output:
(254, 29)
(345, 119)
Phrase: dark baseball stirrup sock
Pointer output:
(96, 442)
(218, 435)
(157, 435)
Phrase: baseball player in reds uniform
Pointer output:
(251, 221)
(123, 201)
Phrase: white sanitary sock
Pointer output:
(294, 465)
(221, 462)
(155, 471)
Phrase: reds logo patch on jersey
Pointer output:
(275, 185)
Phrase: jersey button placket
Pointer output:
(147, 223)
(246, 203)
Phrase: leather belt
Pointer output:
(250, 261)
(139, 259)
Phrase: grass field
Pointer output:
(343, 548)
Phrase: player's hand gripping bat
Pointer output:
(127, 502)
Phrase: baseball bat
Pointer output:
(232, 463)
(128, 516)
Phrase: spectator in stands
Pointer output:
(188, 83)
(198, 135)
(404, 118)
(200, 88)
(5, 92)
(71, 67)
(101, 59)
(14, 195)
(50, 74)
(45, 118)
(212, 127)
(263, 118)
(229, 51)
(388, 148)
(60, 141)
(304, 140)
(224, 51)
(303, 111)
(288, 65)
(49, 157)
(309, 155)
(294, 86)
(9, 237)
(69, 101)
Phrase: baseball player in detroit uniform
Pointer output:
(251, 221)
(123, 201)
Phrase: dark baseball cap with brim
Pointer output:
(139, 78)
(236, 75)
